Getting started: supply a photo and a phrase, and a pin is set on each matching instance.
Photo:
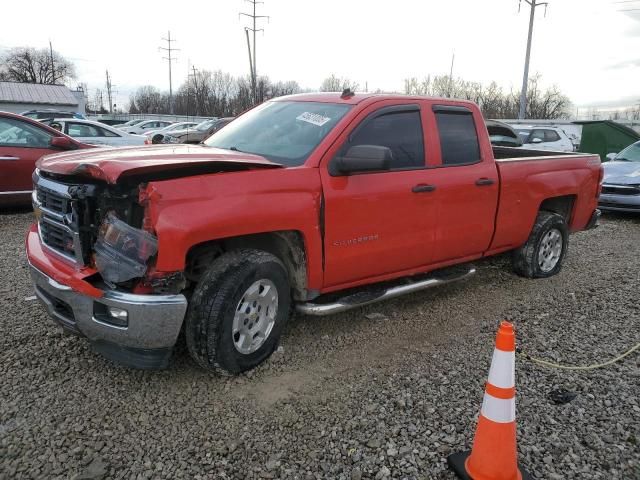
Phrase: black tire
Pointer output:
(209, 321)
(526, 259)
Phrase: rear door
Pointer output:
(466, 182)
(21, 144)
(378, 223)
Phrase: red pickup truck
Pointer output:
(318, 203)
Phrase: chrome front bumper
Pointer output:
(154, 321)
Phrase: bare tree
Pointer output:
(337, 84)
(549, 103)
(28, 65)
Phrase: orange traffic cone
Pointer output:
(494, 454)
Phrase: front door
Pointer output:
(21, 144)
(378, 223)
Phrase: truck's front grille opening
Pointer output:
(52, 201)
(57, 219)
(57, 237)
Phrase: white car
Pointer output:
(130, 123)
(544, 138)
(145, 126)
(95, 133)
(170, 128)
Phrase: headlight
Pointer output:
(122, 251)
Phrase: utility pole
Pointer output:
(254, 67)
(251, 71)
(525, 78)
(53, 69)
(195, 89)
(169, 49)
(453, 56)
(109, 97)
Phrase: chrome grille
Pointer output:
(57, 220)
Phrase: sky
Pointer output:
(589, 48)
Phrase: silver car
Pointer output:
(621, 182)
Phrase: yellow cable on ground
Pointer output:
(572, 367)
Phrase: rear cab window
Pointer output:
(458, 135)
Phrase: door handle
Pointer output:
(9, 158)
(484, 182)
(423, 188)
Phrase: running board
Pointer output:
(362, 298)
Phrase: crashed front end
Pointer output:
(92, 253)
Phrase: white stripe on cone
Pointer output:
(498, 410)
(502, 372)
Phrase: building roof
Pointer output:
(35, 93)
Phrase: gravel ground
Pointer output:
(386, 391)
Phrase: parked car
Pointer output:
(621, 183)
(502, 134)
(22, 142)
(196, 135)
(95, 133)
(146, 125)
(171, 128)
(112, 122)
(300, 197)
(130, 123)
(51, 113)
(545, 138)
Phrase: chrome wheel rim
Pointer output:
(255, 316)
(550, 250)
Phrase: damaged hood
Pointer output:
(113, 164)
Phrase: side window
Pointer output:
(458, 137)
(81, 130)
(21, 134)
(399, 131)
(551, 136)
(107, 133)
(537, 134)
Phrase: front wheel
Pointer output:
(238, 311)
(543, 253)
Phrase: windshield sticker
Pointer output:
(313, 118)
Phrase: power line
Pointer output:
(169, 49)
(254, 67)
(525, 78)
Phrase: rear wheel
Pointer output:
(544, 252)
(238, 311)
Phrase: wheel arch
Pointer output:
(563, 205)
(286, 245)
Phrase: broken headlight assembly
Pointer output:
(122, 251)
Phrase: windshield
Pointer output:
(283, 132)
(629, 154)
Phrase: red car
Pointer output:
(315, 202)
(22, 142)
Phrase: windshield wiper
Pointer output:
(235, 149)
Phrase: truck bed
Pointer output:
(567, 183)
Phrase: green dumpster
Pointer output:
(605, 136)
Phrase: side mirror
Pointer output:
(363, 158)
(611, 156)
(536, 140)
(63, 143)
